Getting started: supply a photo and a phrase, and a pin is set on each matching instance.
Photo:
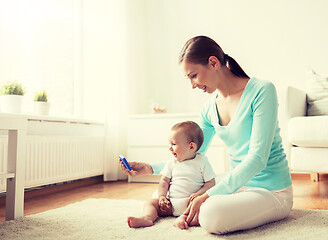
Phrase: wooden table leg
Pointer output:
(314, 177)
(16, 164)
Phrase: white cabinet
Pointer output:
(147, 138)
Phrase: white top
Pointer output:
(188, 176)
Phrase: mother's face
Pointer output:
(200, 76)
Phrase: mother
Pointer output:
(243, 113)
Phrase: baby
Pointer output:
(187, 175)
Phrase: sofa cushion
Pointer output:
(309, 159)
(317, 94)
(311, 131)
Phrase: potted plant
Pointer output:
(11, 97)
(41, 105)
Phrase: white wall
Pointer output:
(272, 40)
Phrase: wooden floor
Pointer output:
(307, 194)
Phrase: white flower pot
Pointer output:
(11, 103)
(41, 108)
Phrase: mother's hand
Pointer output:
(138, 169)
(192, 211)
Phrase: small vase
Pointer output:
(11, 103)
(41, 108)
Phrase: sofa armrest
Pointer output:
(296, 102)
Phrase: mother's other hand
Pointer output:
(192, 211)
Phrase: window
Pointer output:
(38, 48)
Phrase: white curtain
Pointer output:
(103, 74)
(116, 104)
(101, 26)
(115, 142)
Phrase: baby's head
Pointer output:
(185, 140)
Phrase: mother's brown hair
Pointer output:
(198, 49)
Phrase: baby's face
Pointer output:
(179, 146)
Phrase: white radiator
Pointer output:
(53, 159)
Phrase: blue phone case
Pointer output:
(125, 162)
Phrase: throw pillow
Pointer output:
(317, 94)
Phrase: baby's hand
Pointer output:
(192, 197)
(164, 205)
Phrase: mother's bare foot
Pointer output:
(135, 222)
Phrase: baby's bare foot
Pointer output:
(134, 222)
(181, 223)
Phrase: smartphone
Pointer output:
(125, 162)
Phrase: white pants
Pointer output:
(247, 208)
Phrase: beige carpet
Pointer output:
(106, 219)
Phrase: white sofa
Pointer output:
(307, 136)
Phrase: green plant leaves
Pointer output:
(12, 88)
(41, 96)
